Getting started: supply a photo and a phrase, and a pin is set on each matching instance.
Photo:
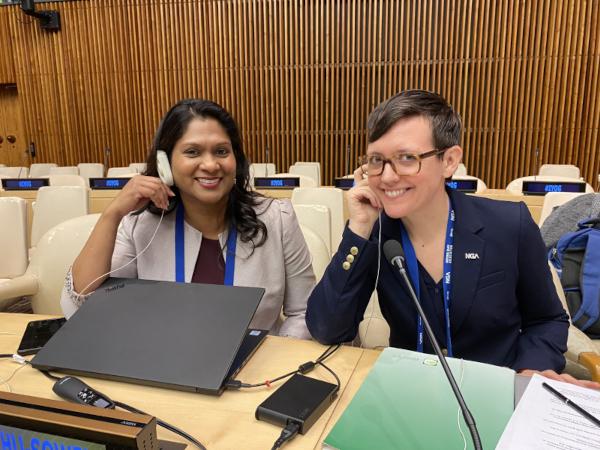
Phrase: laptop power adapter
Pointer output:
(299, 400)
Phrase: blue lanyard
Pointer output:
(180, 251)
(413, 272)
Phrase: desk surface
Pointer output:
(225, 422)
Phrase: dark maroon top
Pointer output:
(210, 265)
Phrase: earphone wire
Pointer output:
(370, 318)
(82, 293)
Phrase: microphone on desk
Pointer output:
(394, 253)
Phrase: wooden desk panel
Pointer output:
(225, 422)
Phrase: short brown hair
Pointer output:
(445, 122)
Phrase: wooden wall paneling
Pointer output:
(7, 64)
(301, 77)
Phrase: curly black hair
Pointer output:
(242, 199)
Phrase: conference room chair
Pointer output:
(304, 180)
(38, 170)
(309, 163)
(138, 167)
(91, 170)
(14, 172)
(311, 171)
(373, 330)
(332, 198)
(461, 170)
(320, 256)
(316, 217)
(553, 200)
(481, 186)
(121, 172)
(13, 242)
(54, 205)
(64, 170)
(516, 185)
(67, 180)
(561, 170)
(583, 353)
(262, 169)
(45, 275)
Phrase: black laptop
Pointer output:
(185, 336)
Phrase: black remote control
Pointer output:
(75, 390)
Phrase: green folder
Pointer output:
(406, 403)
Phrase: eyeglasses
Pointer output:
(402, 163)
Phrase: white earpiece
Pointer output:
(164, 168)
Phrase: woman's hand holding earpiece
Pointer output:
(137, 193)
(363, 206)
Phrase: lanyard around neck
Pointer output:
(413, 272)
(180, 250)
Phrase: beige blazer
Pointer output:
(282, 265)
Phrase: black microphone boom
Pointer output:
(394, 253)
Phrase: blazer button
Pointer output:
(346, 265)
(350, 258)
(354, 251)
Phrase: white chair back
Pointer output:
(310, 171)
(304, 180)
(55, 253)
(13, 238)
(262, 169)
(331, 197)
(54, 205)
(38, 170)
(561, 170)
(64, 170)
(516, 185)
(121, 172)
(138, 167)
(320, 255)
(317, 217)
(67, 180)
(14, 172)
(309, 163)
(553, 200)
(91, 170)
(461, 170)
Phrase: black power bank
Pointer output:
(300, 400)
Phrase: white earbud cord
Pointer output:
(126, 264)
(376, 278)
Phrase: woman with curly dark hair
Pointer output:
(208, 227)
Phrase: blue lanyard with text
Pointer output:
(180, 251)
(413, 272)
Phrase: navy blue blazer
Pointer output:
(504, 306)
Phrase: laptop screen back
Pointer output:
(177, 335)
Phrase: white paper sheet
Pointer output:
(542, 421)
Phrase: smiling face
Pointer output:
(203, 163)
(407, 195)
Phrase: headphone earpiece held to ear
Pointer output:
(164, 168)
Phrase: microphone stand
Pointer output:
(398, 261)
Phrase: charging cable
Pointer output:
(287, 434)
(18, 359)
(302, 369)
(82, 293)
